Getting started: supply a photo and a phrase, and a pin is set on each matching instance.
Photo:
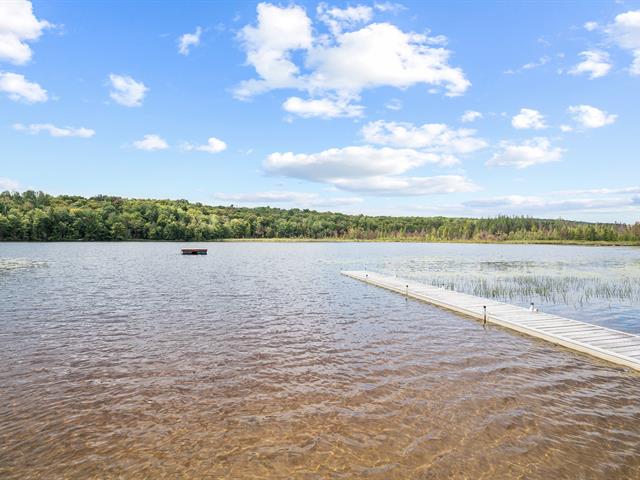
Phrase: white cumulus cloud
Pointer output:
(625, 31)
(470, 116)
(213, 145)
(601, 191)
(54, 131)
(591, 117)
(389, 7)
(304, 199)
(528, 119)
(339, 19)
(595, 63)
(151, 142)
(348, 162)
(591, 26)
(380, 54)
(269, 45)
(323, 108)
(407, 186)
(531, 65)
(380, 167)
(394, 104)
(7, 184)
(367, 169)
(188, 40)
(520, 202)
(530, 152)
(587, 204)
(19, 88)
(597, 200)
(356, 55)
(126, 91)
(434, 137)
(538, 63)
(18, 25)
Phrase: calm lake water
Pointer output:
(128, 360)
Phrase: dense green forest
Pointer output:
(38, 216)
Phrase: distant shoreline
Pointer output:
(37, 216)
(585, 243)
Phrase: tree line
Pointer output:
(37, 216)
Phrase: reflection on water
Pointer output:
(261, 361)
(10, 264)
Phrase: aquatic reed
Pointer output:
(569, 289)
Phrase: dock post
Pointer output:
(614, 346)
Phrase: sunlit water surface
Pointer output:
(128, 360)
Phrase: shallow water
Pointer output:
(128, 360)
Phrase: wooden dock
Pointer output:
(612, 345)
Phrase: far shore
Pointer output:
(585, 243)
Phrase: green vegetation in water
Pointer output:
(569, 290)
(40, 217)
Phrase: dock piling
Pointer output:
(605, 343)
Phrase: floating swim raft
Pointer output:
(194, 251)
(605, 343)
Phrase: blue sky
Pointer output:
(454, 108)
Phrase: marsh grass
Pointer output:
(569, 289)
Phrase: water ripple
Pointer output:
(261, 361)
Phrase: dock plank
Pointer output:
(595, 336)
(612, 345)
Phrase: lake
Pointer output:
(259, 360)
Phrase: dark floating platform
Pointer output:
(194, 251)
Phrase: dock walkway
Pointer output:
(612, 345)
